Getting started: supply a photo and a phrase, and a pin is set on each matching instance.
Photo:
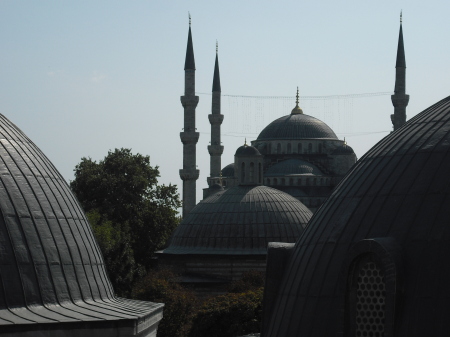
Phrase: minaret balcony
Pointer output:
(215, 150)
(189, 174)
(215, 119)
(189, 137)
(189, 101)
(400, 100)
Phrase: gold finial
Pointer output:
(189, 19)
(297, 109)
(217, 47)
(245, 144)
(345, 141)
(401, 16)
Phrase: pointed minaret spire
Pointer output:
(189, 137)
(297, 109)
(215, 118)
(190, 60)
(400, 99)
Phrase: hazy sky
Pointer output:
(82, 77)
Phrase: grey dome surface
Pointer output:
(297, 126)
(228, 171)
(344, 149)
(247, 150)
(292, 166)
(51, 268)
(241, 220)
(399, 190)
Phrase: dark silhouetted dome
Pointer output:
(296, 126)
(344, 149)
(292, 166)
(240, 220)
(392, 209)
(217, 187)
(247, 150)
(51, 268)
(228, 171)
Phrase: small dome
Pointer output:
(228, 171)
(240, 220)
(297, 126)
(292, 166)
(344, 149)
(247, 150)
(216, 187)
(394, 205)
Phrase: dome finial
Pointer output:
(189, 19)
(217, 47)
(297, 109)
(401, 16)
(245, 143)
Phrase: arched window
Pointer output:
(260, 173)
(283, 182)
(242, 172)
(299, 148)
(291, 181)
(279, 148)
(268, 181)
(309, 148)
(366, 298)
(289, 150)
(320, 147)
(251, 173)
(308, 181)
(269, 149)
(275, 181)
(299, 181)
(315, 182)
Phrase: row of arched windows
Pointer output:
(248, 175)
(298, 181)
(292, 149)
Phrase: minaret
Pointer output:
(189, 137)
(400, 99)
(215, 118)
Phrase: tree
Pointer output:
(132, 216)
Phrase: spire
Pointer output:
(297, 109)
(190, 60)
(216, 79)
(401, 63)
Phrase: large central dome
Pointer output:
(296, 126)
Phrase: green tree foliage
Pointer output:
(232, 314)
(180, 303)
(132, 216)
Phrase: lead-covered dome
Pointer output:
(241, 220)
(51, 268)
(376, 256)
(297, 126)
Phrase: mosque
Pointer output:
(270, 191)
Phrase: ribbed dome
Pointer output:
(292, 166)
(247, 150)
(297, 126)
(228, 171)
(241, 220)
(51, 269)
(398, 193)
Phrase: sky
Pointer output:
(81, 78)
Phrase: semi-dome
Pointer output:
(228, 171)
(297, 126)
(376, 256)
(344, 149)
(51, 269)
(241, 220)
(247, 150)
(292, 166)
